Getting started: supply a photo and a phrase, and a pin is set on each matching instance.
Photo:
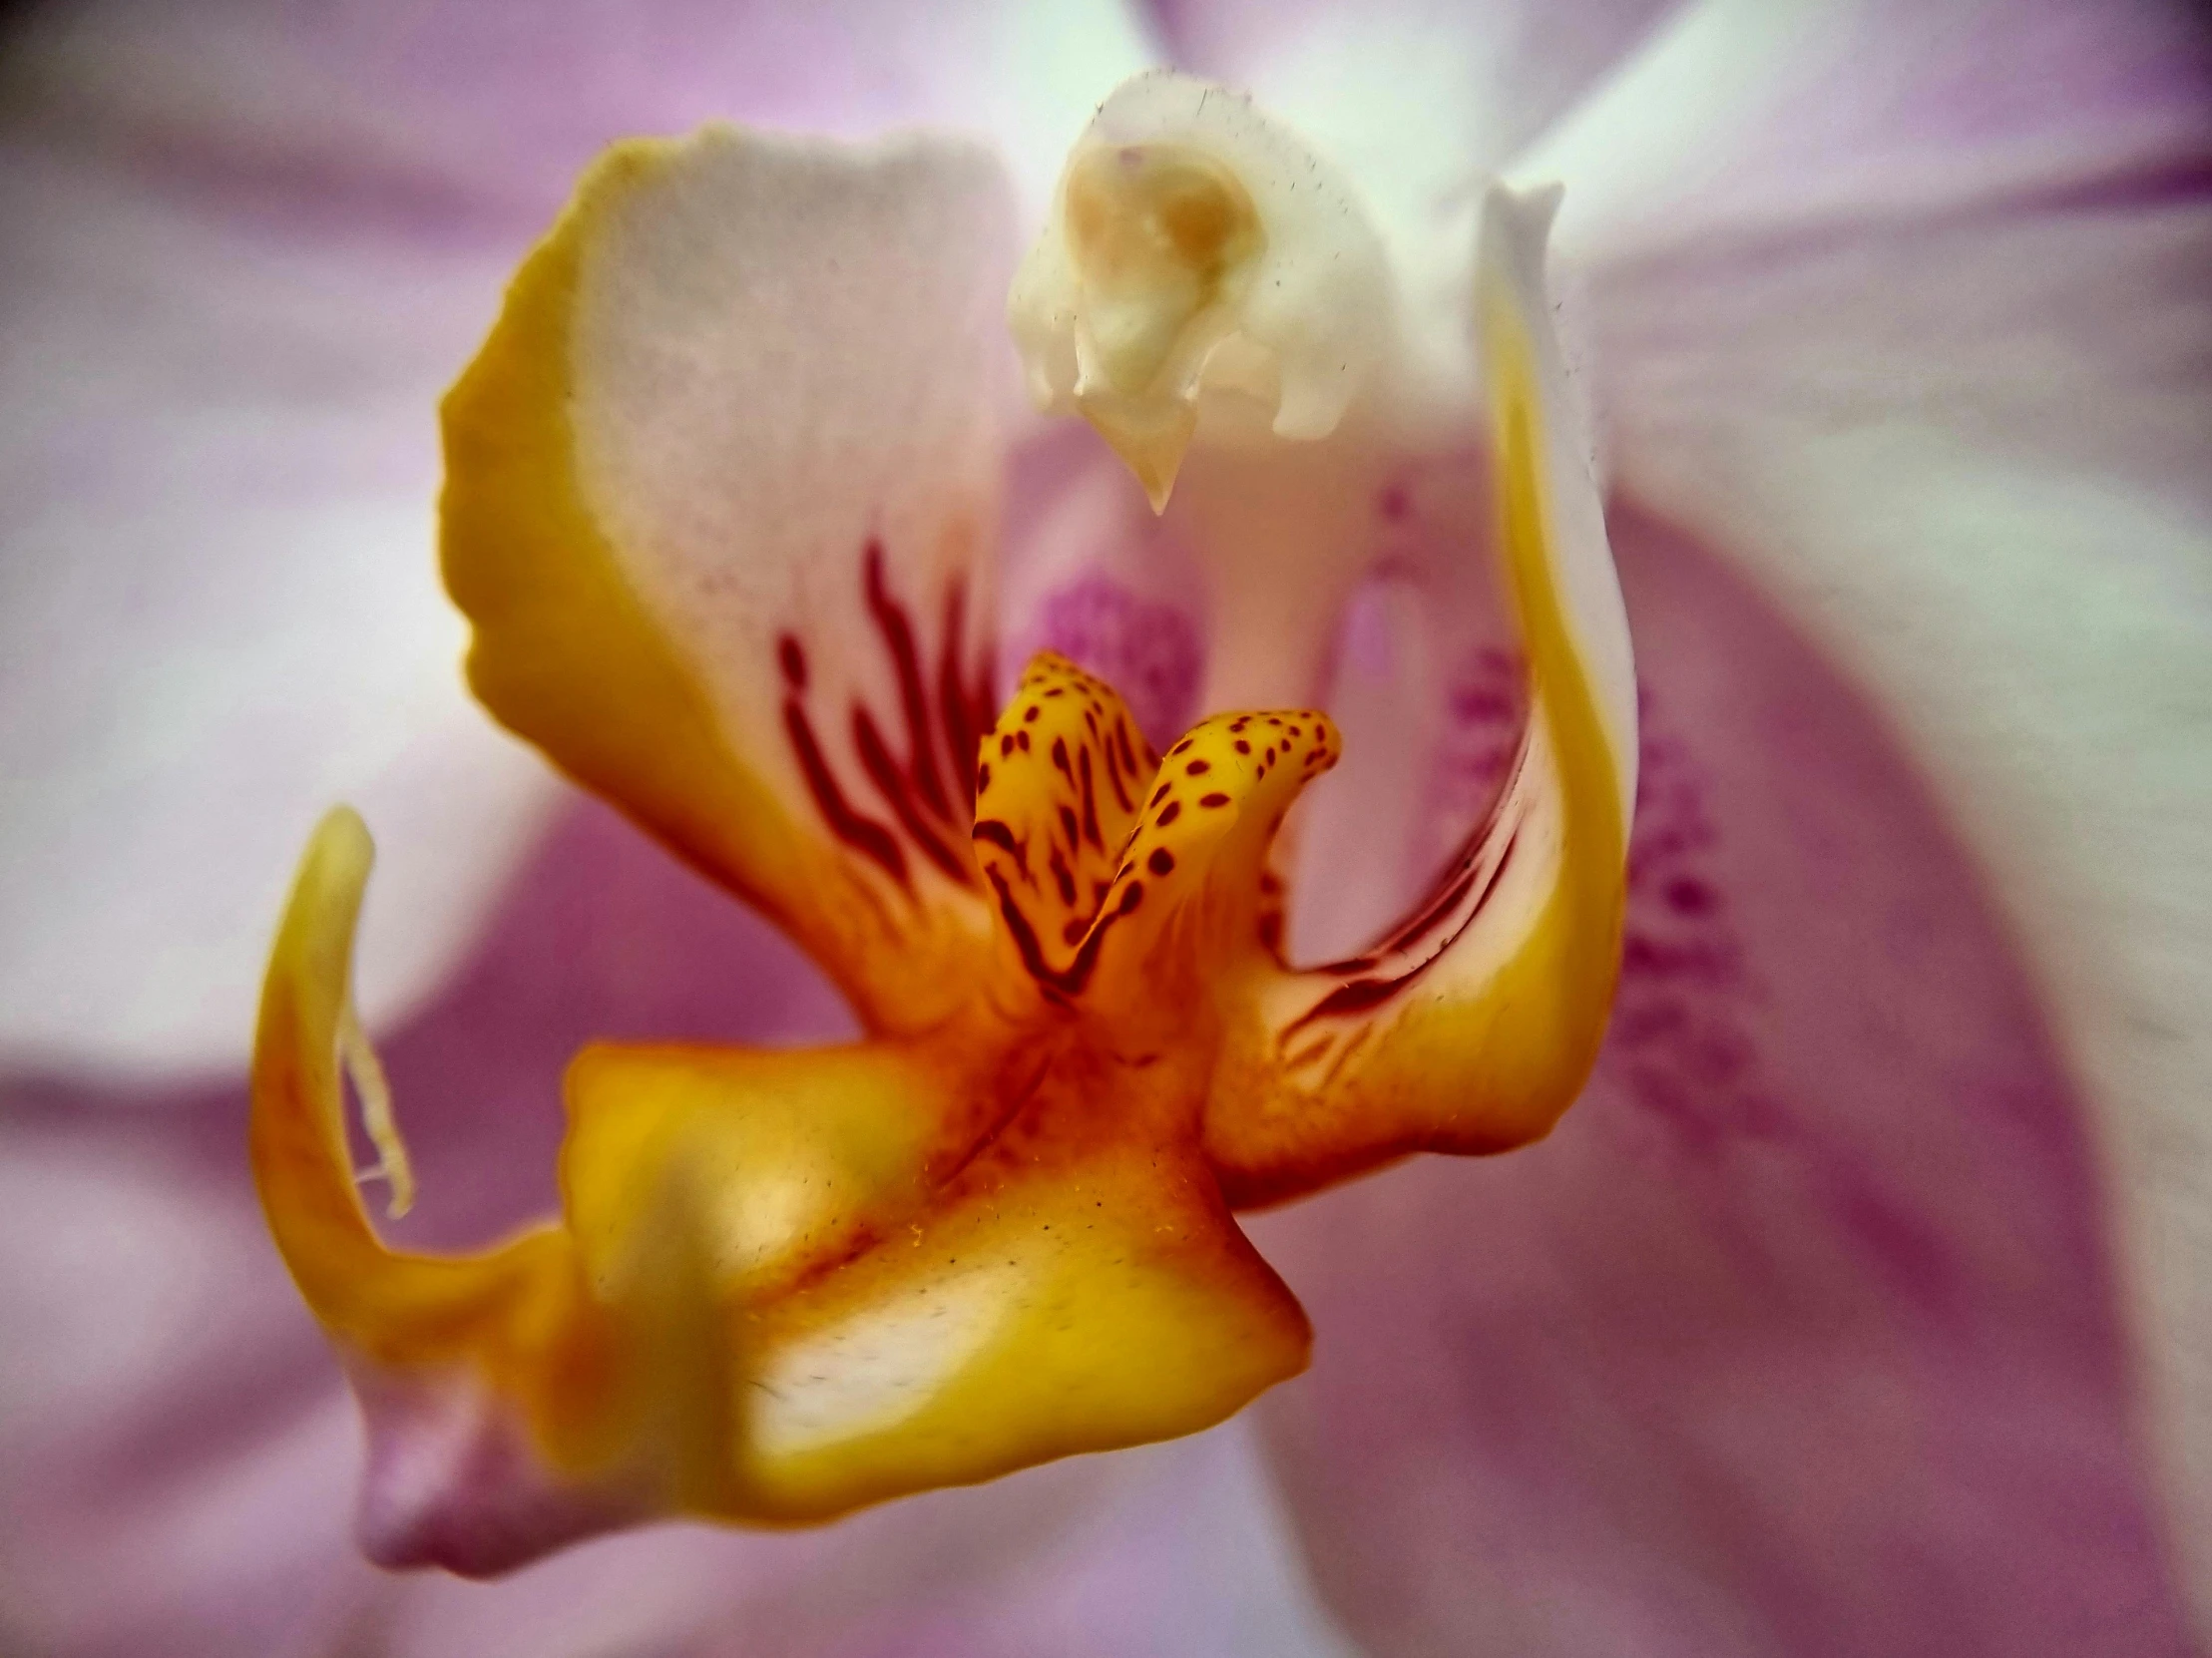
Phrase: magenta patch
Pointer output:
(1152, 653)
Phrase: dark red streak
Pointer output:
(1113, 776)
(963, 733)
(1089, 805)
(1362, 994)
(862, 834)
(1072, 982)
(1449, 887)
(876, 760)
(898, 637)
(999, 835)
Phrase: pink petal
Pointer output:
(1966, 449)
(452, 109)
(1736, 115)
(220, 609)
(1802, 1332)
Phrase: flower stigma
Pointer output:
(1164, 239)
(1200, 262)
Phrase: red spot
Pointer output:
(1216, 799)
(1030, 717)
(1022, 742)
(1174, 811)
(1197, 768)
(1243, 748)
(1162, 862)
(1686, 896)
(793, 659)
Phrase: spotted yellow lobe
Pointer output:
(1059, 782)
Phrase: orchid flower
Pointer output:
(719, 503)
(1852, 1307)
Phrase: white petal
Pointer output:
(1968, 451)
(220, 611)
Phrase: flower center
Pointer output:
(1197, 247)
(1161, 233)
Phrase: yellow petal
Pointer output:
(1473, 1023)
(1056, 1299)
(720, 499)
(938, 1260)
